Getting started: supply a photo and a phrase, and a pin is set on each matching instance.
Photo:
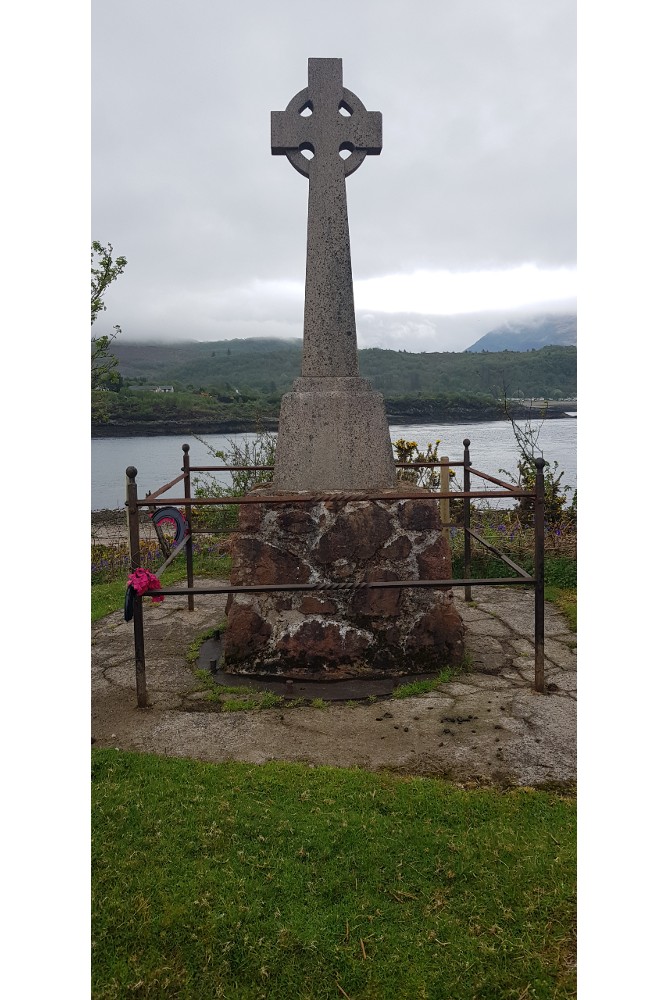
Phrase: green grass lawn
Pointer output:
(108, 595)
(565, 599)
(288, 882)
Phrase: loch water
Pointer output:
(158, 459)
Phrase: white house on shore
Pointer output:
(163, 388)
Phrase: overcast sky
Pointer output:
(467, 217)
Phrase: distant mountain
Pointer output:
(541, 331)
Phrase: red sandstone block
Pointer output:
(258, 562)
(356, 534)
(316, 606)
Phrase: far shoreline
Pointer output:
(556, 409)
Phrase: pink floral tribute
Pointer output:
(142, 580)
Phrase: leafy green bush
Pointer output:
(408, 451)
(556, 509)
(560, 572)
(259, 450)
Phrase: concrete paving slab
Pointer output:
(483, 727)
(560, 655)
(489, 626)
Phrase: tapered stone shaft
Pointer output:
(333, 431)
(329, 328)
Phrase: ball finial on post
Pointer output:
(131, 472)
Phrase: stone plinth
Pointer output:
(333, 435)
(333, 633)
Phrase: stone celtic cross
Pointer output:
(333, 432)
(326, 120)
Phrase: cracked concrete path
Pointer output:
(487, 726)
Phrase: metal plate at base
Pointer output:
(351, 689)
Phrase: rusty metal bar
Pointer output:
(505, 559)
(467, 555)
(269, 588)
(492, 479)
(424, 465)
(444, 503)
(157, 493)
(162, 541)
(332, 498)
(270, 468)
(231, 468)
(135, 563)
(188, 518)
(179, 548)
(539, 575)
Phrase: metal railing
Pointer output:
(446, 496)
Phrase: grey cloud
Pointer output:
(477, 168)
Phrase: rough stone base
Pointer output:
(328, 437)
(334, 633)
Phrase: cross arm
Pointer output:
(364, 131)
(288, 131)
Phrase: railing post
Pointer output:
(539, 575)
(444, 488)
(135, 562)
(467, 561)
(188, 518)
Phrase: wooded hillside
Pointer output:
(268, 367)
(234, 385)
